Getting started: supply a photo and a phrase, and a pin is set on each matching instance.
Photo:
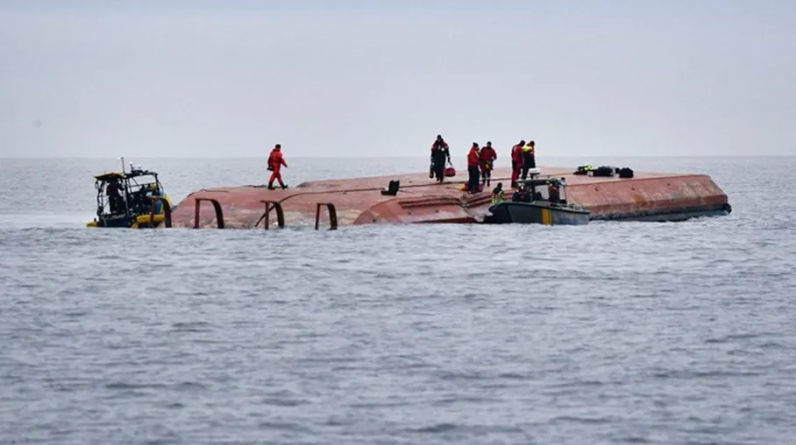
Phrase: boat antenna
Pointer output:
(122, 158)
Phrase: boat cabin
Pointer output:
(536, 189)
(126, 194)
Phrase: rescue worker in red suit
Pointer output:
(440, 152)
(516, 162)
(275, 163)
(488, 156)
(473, 162)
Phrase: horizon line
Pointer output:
(745, 156)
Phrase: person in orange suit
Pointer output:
(275, 163)
(488, 156)
(473, 162)
(516, 162)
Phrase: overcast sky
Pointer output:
(383, 78)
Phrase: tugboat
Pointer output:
(538, 201)
(134, 199)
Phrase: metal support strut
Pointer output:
(332, 215)
(166, 211)
(216, 206)
(280, 215)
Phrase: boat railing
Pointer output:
(332, 215)
(280, 215)
(216, 206)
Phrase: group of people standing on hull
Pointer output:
(480, 162)
(523, 158)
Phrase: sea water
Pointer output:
(446, 334)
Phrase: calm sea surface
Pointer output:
(612, 333)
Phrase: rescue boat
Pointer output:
(538, 201)
(134, 199)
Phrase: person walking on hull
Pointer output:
(275, 163)
(488, 156)
(440, 153)
(516, 163)
(473, 162)
(528, 159)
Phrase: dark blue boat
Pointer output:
(538, 201)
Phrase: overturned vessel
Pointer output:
(414, 198)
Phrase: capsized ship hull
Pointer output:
(359, 201)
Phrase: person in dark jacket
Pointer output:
(528, 158)
(497, 194)
(521, 195)
(440, 153)
(473, 162)
(114, 192)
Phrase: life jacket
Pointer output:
(473, 158)
(529, 150)
(498, 197)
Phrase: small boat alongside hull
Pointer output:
(134, 199)
(538, 201)
(537, 213)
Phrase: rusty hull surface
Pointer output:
(421, 200)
